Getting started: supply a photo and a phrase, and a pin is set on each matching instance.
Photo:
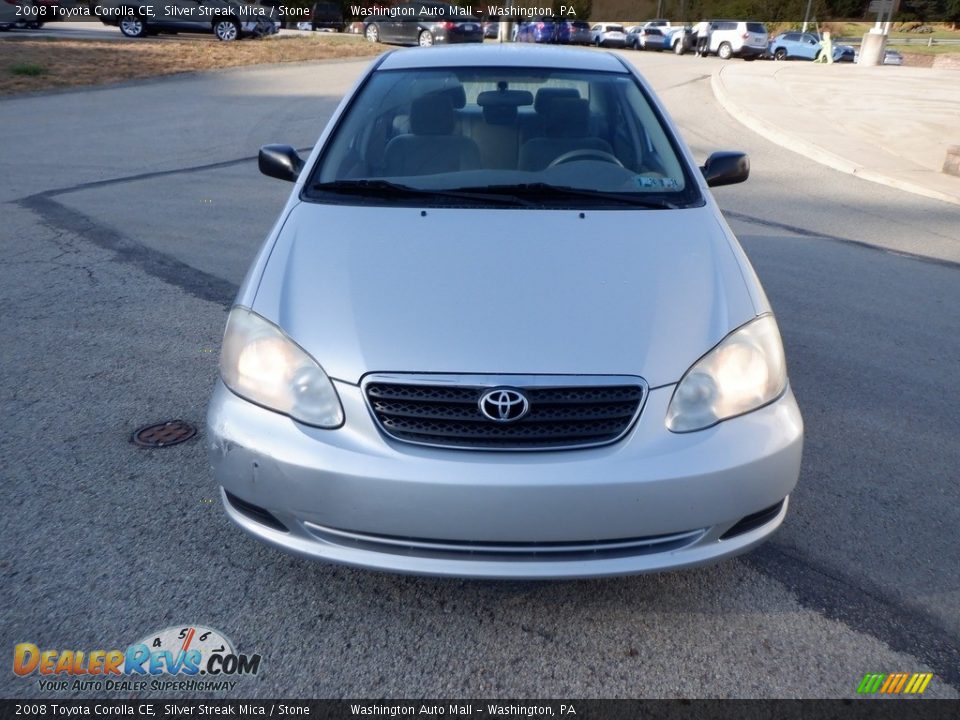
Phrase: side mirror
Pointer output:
(726, 168)
(280, 161)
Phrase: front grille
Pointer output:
(506, 551)
(560, 416)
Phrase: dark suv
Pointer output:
(225, 19)
(423, 24)
(326, 16)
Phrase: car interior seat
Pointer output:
(567, 128)
(430, 146)
(498, 136)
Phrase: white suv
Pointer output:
(731, 37)
(608, 35)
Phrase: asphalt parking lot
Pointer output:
(125, 237)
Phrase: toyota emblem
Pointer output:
(504, 405)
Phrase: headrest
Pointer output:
(500, 114)
(504, 98)
(568, 117)
(548, 94)
(432, 114)
(436, 86)
(457, 95)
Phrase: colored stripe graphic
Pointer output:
(900, 683)
(889, 683)
(914, 682)
(894, 683)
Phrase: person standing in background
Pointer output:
(703, 31)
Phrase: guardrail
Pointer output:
(923, 42)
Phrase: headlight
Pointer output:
(261, 364)
(744, 372)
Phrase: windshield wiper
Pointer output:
(387, 189)
(546, 191)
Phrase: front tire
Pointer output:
(373, 33)
(133, 26)
(425, 38)
(226, 30)
(780, 54)
(678, 47)
(725, 52)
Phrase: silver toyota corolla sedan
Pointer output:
(501, 329)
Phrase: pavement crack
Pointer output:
(74, 223)
(94, 184)
(699, 78)
(803, 232)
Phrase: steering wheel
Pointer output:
(582, 154)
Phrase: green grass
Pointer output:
(28, 69)
(924, 50)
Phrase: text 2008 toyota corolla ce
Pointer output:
(501, 330)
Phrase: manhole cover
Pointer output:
(165, 434)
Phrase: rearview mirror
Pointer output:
(726, 168)
(280, 161)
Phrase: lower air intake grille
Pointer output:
(559, 416)
(505, 551)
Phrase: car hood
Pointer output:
(504, 291)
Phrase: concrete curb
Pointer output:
(813, 151)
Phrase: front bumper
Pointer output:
(655, 500)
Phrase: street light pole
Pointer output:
(806, 15)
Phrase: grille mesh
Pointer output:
(559, 417)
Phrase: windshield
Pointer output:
(501, 136)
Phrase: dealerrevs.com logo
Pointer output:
(189, 658)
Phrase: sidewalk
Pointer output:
(891, 125)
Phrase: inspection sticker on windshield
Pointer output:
(645, 181)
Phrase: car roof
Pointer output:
(502, 55)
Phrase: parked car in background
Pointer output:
(680, 39)
(794, 45)
(805, 46)
(608, 35)
(507, 385)
(29, 14)
(491, 29)
(574, 32)
(844, 53)
(423, 24)
(9, 15)
(646, 38)
(324, 16)
(227, 20)
(890, 57)
(737, 38)
(659, 23)
(539, 30)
